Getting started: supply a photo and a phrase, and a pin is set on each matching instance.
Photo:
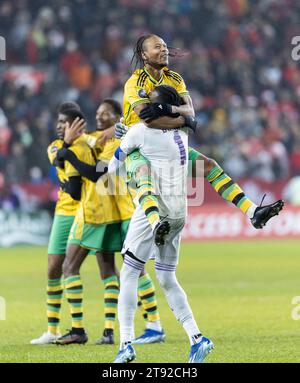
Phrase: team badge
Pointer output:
(142, 93)
(54, 149)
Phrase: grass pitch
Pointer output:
(241, 294)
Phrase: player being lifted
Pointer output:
(151, 55)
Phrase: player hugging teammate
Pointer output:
(155, 97)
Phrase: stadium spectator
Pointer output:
(234, 55)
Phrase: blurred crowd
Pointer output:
(235, 57)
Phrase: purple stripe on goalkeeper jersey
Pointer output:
(132, 263)
(181, 147)
(164, 267)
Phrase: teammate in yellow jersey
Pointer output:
(108, 113)
(66, 207)
(151, 56)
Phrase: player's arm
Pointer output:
(73, 187)
(139, 101)
(91, 172)
(166, 122)
(117, 160)
(52, 151)
(155, 111)
(186, 109)
(132, 140)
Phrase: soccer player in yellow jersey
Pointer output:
(66, 207)
(151, 55)
(108, 113)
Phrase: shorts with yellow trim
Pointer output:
(133, 161)
(103, 237)
(60, 231)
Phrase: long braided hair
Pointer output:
(137, 61)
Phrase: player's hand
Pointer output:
(106, 135)
(75, 130)
(190, 122)
(120, 130)
(153, 111)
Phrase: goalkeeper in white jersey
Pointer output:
(167, 153)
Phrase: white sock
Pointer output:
(251, 210)
(155, 325)
(127, 302)
(178, 303)
(192, 330)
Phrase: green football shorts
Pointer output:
(105, 237)
(59, 235)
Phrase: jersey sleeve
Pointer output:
(135, 91)
(133, 139)
(52, 151)
(179, 84)
(78, 150)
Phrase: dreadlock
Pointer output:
(137, 58)
(169, 95)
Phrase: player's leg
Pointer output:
(74, 294)
(75, 256)
(165, 268)
(148, 305)
(136, 250)
(110, 277)
(147, 302)
(231, 191)
(138, 168)
(56, 254)
(110, 241)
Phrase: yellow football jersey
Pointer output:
(65, 204)
(94, 208)
(121, 201)
(140, 82)
(122, 198)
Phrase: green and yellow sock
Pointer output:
(74, 295)
(54, 301)
(146, 293)
(111, 295)
(148, 199)
(143, 311)
(230, 191)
